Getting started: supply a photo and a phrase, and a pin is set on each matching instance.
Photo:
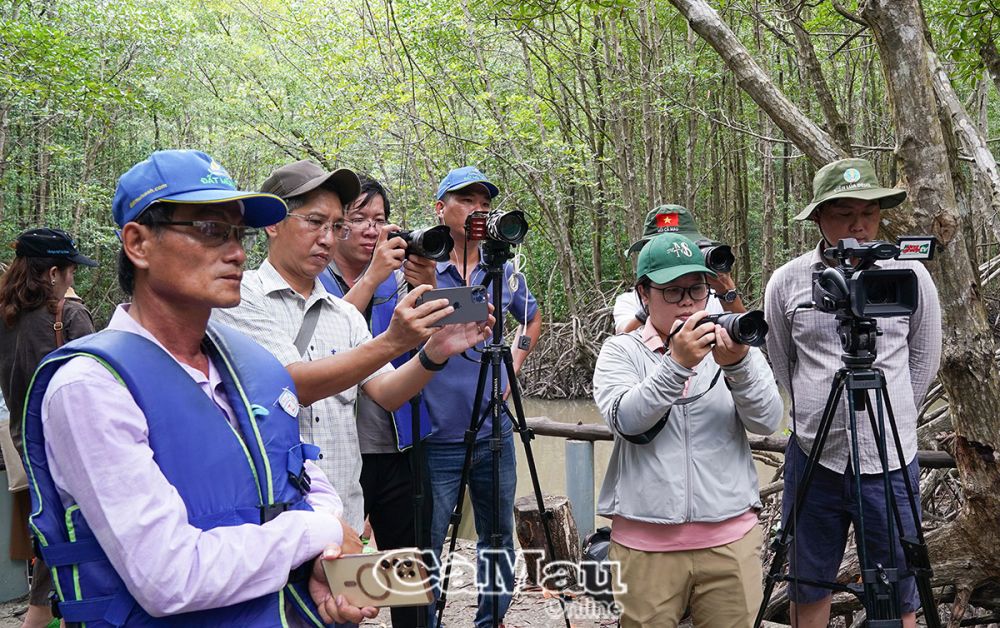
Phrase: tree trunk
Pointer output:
(808, 60)
(968, 372)
(531, 536)
(813, 141)
(991, 58)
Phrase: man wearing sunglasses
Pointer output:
(165, 461)
(325, 342)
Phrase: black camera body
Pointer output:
(433, 243)
(748, 328)
(853, 289)
(718, 256)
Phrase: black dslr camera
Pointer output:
(853, 289)
(433, 243)
(718, 256)
(748, 328)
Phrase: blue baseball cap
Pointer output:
(464, 177)
(188, 176)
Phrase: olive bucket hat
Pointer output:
(850, 178)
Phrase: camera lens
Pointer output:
(510, 227)
(479, 296)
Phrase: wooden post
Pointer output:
(565, 539)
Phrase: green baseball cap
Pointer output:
(850, 178)
(667, 256)
(666, 219)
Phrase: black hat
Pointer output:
(50, 243)
(305, 176)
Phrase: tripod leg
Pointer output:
(456, 517)
(521, 426)
(880, 581)
(914, 547)
(787, 536)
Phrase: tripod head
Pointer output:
(857, 338)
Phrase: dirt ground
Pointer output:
(530, 608)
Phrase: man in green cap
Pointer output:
(629, 313)
(805, 351)
(681, 487)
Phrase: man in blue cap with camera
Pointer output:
(449, 396)
(185, 491)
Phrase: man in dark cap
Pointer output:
(847, 203)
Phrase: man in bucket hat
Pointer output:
(805, 350)
(183, 490)
(628, 313)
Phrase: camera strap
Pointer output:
(308, 327)
(647, 437)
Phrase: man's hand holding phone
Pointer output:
(334, 608)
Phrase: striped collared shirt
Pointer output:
(271, 313)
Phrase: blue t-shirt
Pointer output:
(450, 393)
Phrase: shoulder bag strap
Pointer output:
(308, 327)
(57, 326)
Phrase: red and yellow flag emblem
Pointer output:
(666, 220)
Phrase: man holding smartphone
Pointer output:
(371, 272)
(324, 342)
(449, 397)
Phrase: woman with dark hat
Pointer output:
(35, 318)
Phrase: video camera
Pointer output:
(433, 243)
(508, 227)
(854, 290)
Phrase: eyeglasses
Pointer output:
(216, 233)
(675, 294)
(361, 224)
(315, 224)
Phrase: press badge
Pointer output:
(288, 402)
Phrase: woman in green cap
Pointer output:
(681, 488)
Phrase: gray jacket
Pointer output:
(699, 467)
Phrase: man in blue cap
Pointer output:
(449, 396)
(186, 492)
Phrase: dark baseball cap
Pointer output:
(850, 178)
(666, 219)
(188, 176)
(50, 243)
(304, 176)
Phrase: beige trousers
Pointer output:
(721, 585)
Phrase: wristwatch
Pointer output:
(641, 315)
(729, 296)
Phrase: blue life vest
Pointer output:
(224, 480)
(383, 304)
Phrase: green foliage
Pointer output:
(585, 112)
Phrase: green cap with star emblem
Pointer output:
(849, 178)
(668, 256)
(666, 219)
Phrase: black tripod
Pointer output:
(878, 590)
(496, 355)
